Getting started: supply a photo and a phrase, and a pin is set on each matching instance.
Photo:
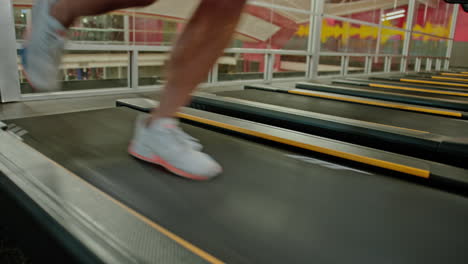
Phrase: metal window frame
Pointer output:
(344, 65)
(407, 41)
(312, 53)
(453, 27)
(315, 34)
(269, 67)
(438, 64)
(417, 65)
(388, 64)
(368, 65)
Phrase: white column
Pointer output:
(451, 36)
(126, 29)
(417, 65)
(429, 64)
(315, 34)
(134, 74)
(409, 29)
(438, 64)
(9, 77)
(388, 64)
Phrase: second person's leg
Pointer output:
(44, 44)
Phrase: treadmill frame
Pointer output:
(87, 214)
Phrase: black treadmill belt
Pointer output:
(432, 95)
(398, 82)
(266, 207)
(375, 114)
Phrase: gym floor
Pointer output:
(60, 106)
(10, 252)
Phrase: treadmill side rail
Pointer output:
(389, 96)
(377, 158)
(362, 100)
(94, 219)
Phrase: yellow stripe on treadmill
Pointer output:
(436, 83)
(450, 79)
(182, 242)
(455, 74)
(389, 105)
(361, 159)
(416, 89)
(465, 73)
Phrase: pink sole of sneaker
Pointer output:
(159, 161)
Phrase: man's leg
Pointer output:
(159, 139)
(200, 45)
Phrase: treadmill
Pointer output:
(399, 130)
(397, 85)
(443, 78)
(284, 197)
(445, 100)
(423, 83)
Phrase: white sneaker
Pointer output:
(141, 123)
(43, 48)
(165, 144)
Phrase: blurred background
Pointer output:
(278, 39)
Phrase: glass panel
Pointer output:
(151, 68)
(329, 65)
(423, 63)
(84, 70)
(386, 12)
(432, 64)
(104, 29)
(341, 36)
(378, 64)
(356, 65)
(368, 11)
(396, 64)
(22, 16)
(433, 17)
(147, 27)
(395, 16)
(245, 66)
(392, 41)
(263, 28)
(411, 64)
(426, 45)
(301, 4)
(288, 66)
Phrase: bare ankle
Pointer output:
(155, 116)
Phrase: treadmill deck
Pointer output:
(417, 121)
(269, 206)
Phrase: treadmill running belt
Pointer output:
(432, 95)
(267, 207)
(375, 114)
